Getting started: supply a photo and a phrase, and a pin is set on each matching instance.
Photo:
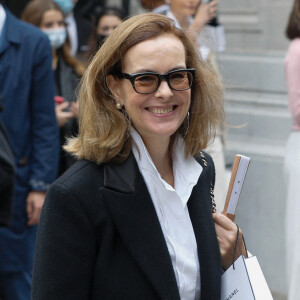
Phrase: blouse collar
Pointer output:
(186, 170)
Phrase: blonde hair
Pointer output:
(104, 131)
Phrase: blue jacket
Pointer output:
(27, 89)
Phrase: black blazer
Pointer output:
(99, 237)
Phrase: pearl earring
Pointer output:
(118, 105)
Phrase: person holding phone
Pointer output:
(192, 16)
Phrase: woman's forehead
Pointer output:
(161, 53)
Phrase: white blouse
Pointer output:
(171, 208)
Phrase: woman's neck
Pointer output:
(161, 155)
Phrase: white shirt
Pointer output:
(2, 18)
(161, 9)
(171, 208)
(72, 32)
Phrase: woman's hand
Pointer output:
(75, 108)
(205, 12)
(62, 116)
(226, 233)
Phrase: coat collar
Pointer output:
(11, 31)
(134, 215)
(200, 210)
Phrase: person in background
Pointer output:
(106, 21)
(133, 218)
(155, 6)
(79, 26)
(192, 16)
(26, 85)
(292, 155)
(47, 15)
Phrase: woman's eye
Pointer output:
(48, 25)
(180, 75)
(145, 78)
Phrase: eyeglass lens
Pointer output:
(179, 81)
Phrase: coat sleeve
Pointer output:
(65, 249)
(45, 135)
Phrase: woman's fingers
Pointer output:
(226, 231)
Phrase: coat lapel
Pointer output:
(11, 33)
(134, 215)
(200, 210)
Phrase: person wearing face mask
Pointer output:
(105, 22)
(47, 15)
(79, 25)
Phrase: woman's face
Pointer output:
(107, 24)
(52, 19)
(159, 114)
(184, 7)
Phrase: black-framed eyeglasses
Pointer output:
(148, 82)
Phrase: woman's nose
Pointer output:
(164, 90)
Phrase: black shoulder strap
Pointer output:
(203, 161)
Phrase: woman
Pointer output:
(133, 218)
(106, 21)
(182, 13)
(292, 157)
(48, 16)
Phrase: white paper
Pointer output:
(238, 184)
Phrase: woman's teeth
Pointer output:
(160, 110)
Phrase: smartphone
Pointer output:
(59, 99)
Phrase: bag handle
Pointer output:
(235, 245)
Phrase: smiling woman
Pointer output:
(133, 218)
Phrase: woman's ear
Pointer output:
(113, 86)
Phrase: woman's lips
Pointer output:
(160, 110)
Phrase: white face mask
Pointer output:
(57, 36)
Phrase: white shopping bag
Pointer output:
(245, 281)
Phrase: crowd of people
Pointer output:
(111, 135)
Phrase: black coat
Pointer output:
(99, 237)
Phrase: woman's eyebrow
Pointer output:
(152, 71)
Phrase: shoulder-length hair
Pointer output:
(33, 14)
(293, 27)
(104, 131)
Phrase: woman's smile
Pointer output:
(161, 110)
